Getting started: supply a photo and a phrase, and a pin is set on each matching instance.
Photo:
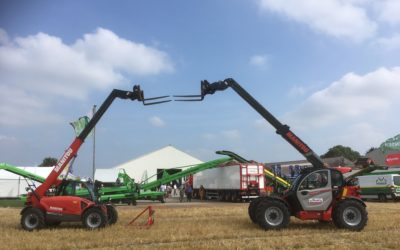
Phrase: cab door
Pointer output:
(315, 191)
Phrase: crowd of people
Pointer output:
(185, 189)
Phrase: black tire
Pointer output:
(94, 218)
(350, 214)
(112, 215)
(32, 219)
(382, 197)
(161, 199)
(272, 214)
(252, 209)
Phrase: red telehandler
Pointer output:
(52, 202)
(318, 193)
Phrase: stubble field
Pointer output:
(204, 225)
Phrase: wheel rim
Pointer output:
(94, 220)
(31, 221)
(352, 216)
(274, 216)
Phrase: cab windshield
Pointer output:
(396, 180)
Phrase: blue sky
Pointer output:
(329, 69)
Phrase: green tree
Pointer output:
(340, 150)
(48, 162)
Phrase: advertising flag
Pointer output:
(80, 124)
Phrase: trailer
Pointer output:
(380, 186)
(233, 182)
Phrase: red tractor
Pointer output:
(318, 193)
(53, 202)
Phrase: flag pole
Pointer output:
(94, 145)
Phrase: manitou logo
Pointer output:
(63, 159)
(293, 138)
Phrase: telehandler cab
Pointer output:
(44, 208)
(318, 193)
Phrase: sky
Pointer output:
(329, 69)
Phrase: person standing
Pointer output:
(175, 187)
(188, 191)
(181, 192)
(202, 192)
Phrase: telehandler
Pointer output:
(44, 208)
(318, 193)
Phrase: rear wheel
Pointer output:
(94, 218)
(112, 215)
(272, 214)
(350, 215)
(32, 219)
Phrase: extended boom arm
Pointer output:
(70, 153)
(283, 130)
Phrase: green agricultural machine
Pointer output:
(125, 190)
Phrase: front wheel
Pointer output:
(252, 209)
(272, 214)
(350, 215)
(32, 219)
(94, 218)
(112, 215)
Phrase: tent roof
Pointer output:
(164, 158)
(106, 174)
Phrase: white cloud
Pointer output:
(135, 58)
(41, 68)
(156, 121)
(390, 43)
(231, 134)
(359, 111)
(3, 36)
(389, 11)
(260, 61)
(5, 138)
(209, 136)
(20, 107)
(296, 91)
(361, 136)
(371, 97)
(337, 18)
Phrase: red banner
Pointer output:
(393, 160)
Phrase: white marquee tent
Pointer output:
(164, 158)
(12, 185)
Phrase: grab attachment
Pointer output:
(205, 88)
(137, 94)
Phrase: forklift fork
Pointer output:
(206, 88)
(137, 94)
